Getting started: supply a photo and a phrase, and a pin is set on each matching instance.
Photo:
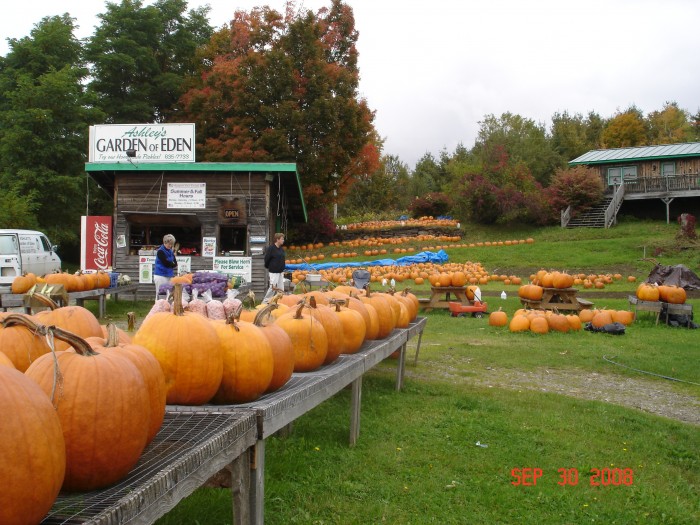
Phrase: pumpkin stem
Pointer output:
(312, 302)
(300, 309)
(178, 309)
(45, 300)
(264, 314)
(112, 336)
(130, 321)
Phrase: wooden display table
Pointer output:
(436, 296)
(558, 299)
(658, 307)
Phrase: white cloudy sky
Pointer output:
(433, 69)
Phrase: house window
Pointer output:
(619, 174)
(629, 173)
(668, 169)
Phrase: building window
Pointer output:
(668, 169)
(617, 175)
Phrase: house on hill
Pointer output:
(665, 172)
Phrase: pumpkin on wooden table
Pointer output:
(33, 451)
(19, 344)
(672, 294)
(281, 345)
(102, 404)
(354, 327)
(188, 350)
(149, 367)
(332, 325)
(23, 283)
(308, 337)
(75, 319)
(648, 292)
(248, 362)
(385, 312)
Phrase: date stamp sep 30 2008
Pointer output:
(597, 477)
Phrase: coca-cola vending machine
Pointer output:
(95, 242)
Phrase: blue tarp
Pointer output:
(422, 257)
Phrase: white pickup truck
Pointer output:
(25, 251)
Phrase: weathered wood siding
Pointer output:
(146, 192)
(651, 168)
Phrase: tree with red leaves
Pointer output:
(284, 87)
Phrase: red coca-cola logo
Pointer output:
(101, 248)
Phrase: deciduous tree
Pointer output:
(625, 129)
(284, 87)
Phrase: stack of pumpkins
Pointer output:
(78, 406)
(661, 292)
(231, 360)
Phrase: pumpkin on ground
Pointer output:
(103, 407)
(33, 453)
(519, 323)
(498, 318)
(539, 324)
(188, 350)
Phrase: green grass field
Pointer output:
(551, 457)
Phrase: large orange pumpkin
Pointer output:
(308, 337)
(149, 367)
(333, 327)
(539, 324)
(23, 283)
(498, 318)
(248, 362)
(354, 327)
(75, 319)
(672, 294)
(19, 344)
(648, 292)
(281, 345)
(33, 452)
(103, 406)
(385, 312)
(188, 350)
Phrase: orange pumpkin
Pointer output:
(188, 350)
(247, 359)
(385, 312)
(519, 323)
(539, 324)
(333, 327)
(648, 292)
(308, 337)
(498, 318)
(20, 345)
(23, 283)
(104, 417)
(149, 367)
(33, 452)
(281, 345)
(354, 328)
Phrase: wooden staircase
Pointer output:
(601, 215)
(593, 217)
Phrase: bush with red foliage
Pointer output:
(579, 187)
(432, 204)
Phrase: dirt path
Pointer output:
(656, 397)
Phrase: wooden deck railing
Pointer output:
(661, 184)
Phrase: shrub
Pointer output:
(320, 227)
(579, 187)
(431, 204)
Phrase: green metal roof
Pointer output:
(664, 151)
(99, 171)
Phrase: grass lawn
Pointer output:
(417, 460)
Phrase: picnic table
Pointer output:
(438, 292)
(558, 299)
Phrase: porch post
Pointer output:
(667, 201)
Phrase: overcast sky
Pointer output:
(433, 69)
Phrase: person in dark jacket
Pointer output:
(166, 262)
(275, 263)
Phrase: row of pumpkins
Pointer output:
(83, 415)
(544, 321)
(72, 282)
(660, 292)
